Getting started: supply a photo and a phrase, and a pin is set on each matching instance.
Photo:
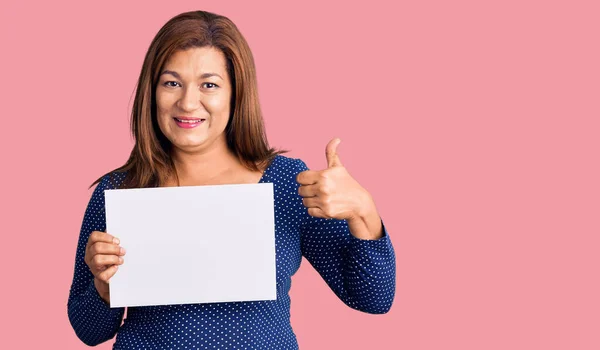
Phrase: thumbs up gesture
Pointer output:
(332, 192)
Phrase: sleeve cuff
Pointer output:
(382, 244)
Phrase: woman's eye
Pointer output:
(176, 84)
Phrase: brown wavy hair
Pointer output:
(150, 163)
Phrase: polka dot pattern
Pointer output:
(360, 272)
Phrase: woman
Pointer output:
(197, 121)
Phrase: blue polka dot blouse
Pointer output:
(361, 273)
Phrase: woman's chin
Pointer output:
(189, 145)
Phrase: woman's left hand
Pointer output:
(332, 192)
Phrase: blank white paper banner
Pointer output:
(193, 244)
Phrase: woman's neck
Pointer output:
(203, 167)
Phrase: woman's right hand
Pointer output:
(103, 255)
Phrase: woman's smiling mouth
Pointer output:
(187, 123)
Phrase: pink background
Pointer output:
(474, 126)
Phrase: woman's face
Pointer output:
(193, 98)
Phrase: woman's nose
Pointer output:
(190, 100)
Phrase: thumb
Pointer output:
(331, 153)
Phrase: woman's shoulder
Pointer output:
(287, 165)
(111, 180)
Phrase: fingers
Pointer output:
(308, 190)
(105, 260)
(308, 177)
(106, 275)
(318, 213)
(103, 254)
(311, 202)
(99, 236)
(317, 207)
(99, 263)
(320, 207)
(106, 248)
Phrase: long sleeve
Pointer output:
(92, 319)
(362, 273)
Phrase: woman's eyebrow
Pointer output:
(203, 76)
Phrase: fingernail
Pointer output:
(122, 250)
(116, 240)
(120, 260)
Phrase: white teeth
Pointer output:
(188, 121)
